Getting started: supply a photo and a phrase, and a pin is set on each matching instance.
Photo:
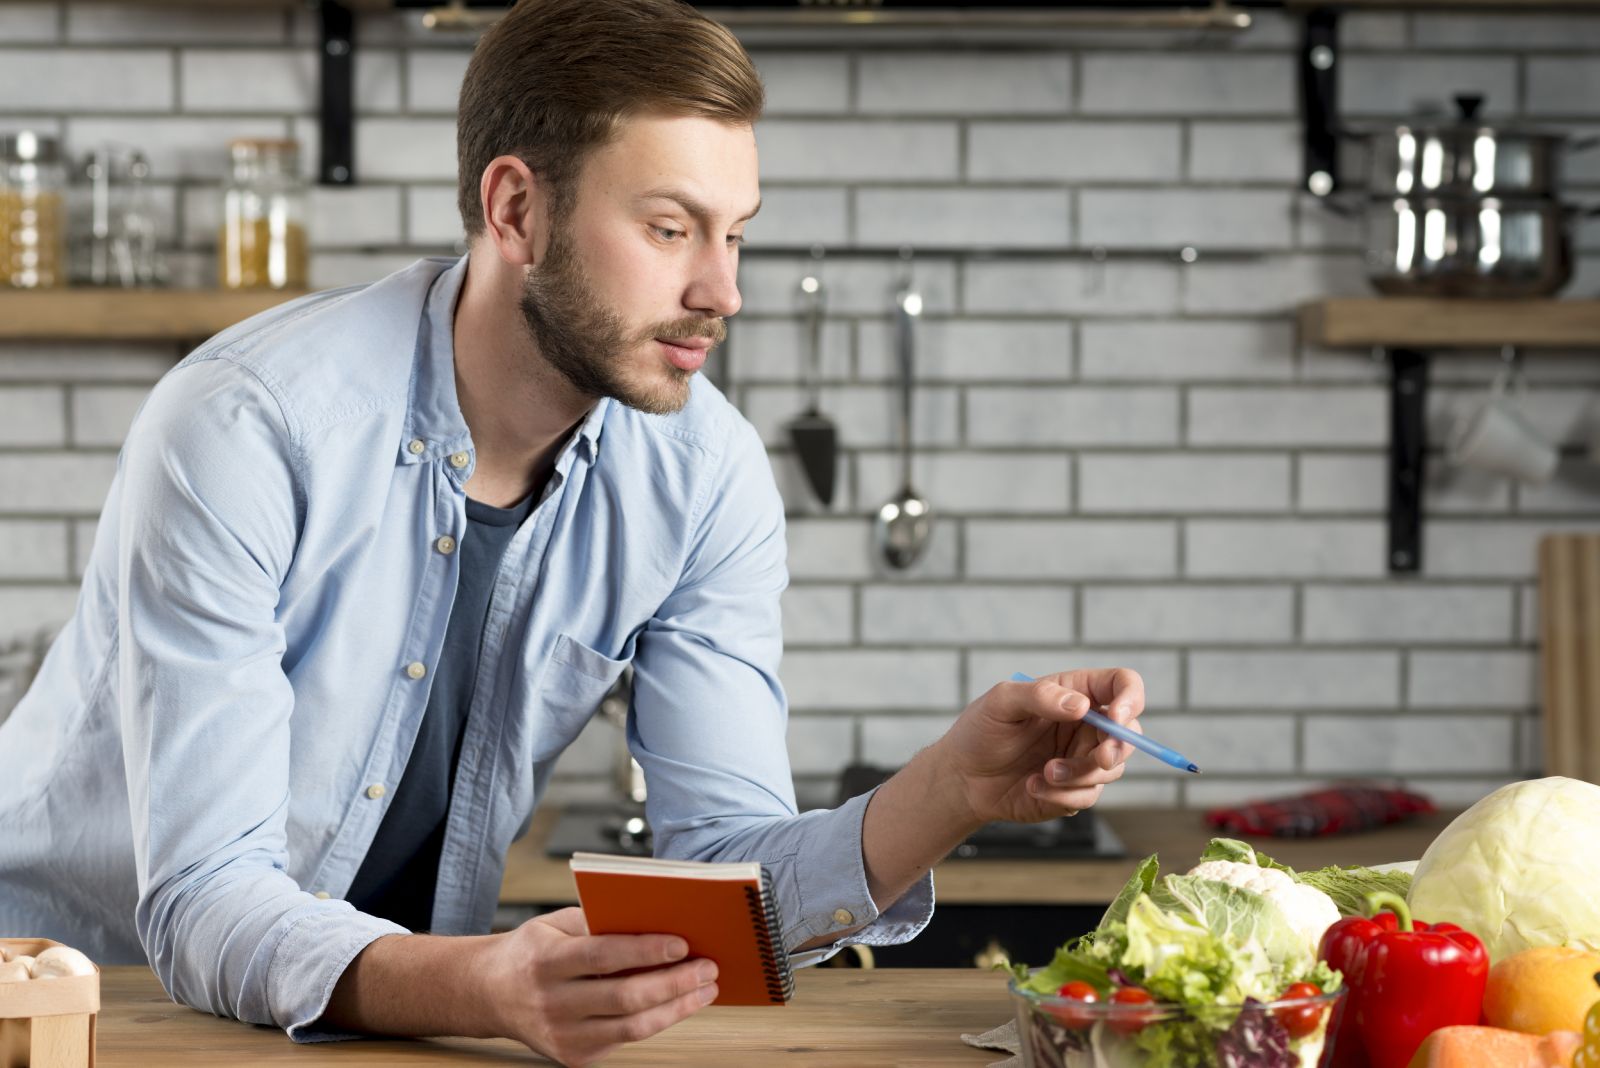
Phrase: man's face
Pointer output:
(640, 272)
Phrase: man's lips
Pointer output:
(686, 354)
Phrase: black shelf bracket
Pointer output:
(1319, 100)
(1408, 398)
(338, 95)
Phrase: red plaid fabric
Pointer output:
(1340, 810)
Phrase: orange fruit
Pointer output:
(1548, 988)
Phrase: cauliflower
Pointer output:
(1308, 910)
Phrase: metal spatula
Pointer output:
(815, 436)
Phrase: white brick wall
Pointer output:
(964, 83)
(1132, 460)
(28, 23)
(1074, 151)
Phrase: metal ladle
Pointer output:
(906, 520)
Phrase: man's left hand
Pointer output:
(1022, 752)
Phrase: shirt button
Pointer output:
(417, 446)
(416, 669)
(375, 791)
(843, 916)
(458, 460)
(322, 895)
(445, 544)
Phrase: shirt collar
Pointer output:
(434, 417)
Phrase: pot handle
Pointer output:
(1583, 144)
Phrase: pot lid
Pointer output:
(1466, 123)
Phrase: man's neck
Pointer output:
(519, 410)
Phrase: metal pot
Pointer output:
(1465, 157)
(1468, 247)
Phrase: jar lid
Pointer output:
(30, 146)
(263, 146)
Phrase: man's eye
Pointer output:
(736, 240)
(666, 233)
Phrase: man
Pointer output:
(371, 559)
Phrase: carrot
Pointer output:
(1495, 1047)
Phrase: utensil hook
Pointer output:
(908, 308)
(813, 292)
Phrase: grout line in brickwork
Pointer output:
(68, 424)
(1405, 677)
(176, 59)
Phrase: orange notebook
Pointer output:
(725, 911)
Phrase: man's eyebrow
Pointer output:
(691, 205)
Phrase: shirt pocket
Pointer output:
(575, 681)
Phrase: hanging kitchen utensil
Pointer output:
(815, 437)
(905, 521)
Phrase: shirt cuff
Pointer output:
(308, 962)
(831, 886)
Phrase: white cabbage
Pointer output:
(1520, 868)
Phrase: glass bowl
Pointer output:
(1055, 1032)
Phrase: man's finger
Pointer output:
(607, 1030)
(1110, 751)
(1120, 691)
(608, 954)
(627, 995)
(1070, 774)
(1069, 798)
(1046, 698)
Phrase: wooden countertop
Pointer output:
(1178, 835)
(839, 1018)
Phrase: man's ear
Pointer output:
(516, 211)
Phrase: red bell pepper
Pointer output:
(1406, 980)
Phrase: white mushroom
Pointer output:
(13, 971)
(6, 952)
(61, 961)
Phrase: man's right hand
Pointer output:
(549, 984)
(558, 990)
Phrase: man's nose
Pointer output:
(714, 290)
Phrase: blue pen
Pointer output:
(1110, 726)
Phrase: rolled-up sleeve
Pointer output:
(208, 525)
(710, 718)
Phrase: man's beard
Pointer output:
(587, 343)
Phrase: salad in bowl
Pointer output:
(1217, 966)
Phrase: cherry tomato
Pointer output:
(1300, 1020)
(1127, 1022)
(1069, 1016)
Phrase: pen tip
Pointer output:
(1194, 768)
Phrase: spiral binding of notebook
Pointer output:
(774, 958)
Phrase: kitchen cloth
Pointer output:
(1340, 810)
(1003, 1038)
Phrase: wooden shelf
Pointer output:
(1428, 323)
(130, 314)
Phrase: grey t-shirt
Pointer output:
(398, 876)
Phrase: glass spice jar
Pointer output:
(263, 239)
(33, 226)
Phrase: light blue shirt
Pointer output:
(196, 773)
